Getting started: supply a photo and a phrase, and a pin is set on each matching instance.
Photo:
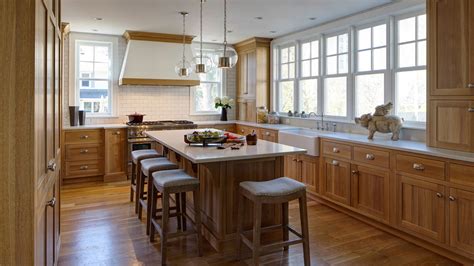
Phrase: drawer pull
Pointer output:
(295, 160)
(451, 198)
(84, 167)
(335, 163)
(335, 150)
(117, 133)
(370, 157)
(470, 85)
(84, 151)
(471, 110)
(52, 166)
(418, 167)
(267, 133)
(354, 172)
(84, 137)
(439, 195)
(51, 203)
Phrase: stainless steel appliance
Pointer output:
(137, 139)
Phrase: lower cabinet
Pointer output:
(422, 208)
(336, 180)
(268, 135)
(115, 154)
(370, 191)
(461, 220)
(305, 169)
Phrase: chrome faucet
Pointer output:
(319, 124)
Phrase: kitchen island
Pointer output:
(220, 171)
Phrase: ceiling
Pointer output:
(280, 16)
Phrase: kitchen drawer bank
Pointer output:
(94, 153)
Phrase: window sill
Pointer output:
(102, 116)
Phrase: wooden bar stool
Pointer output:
(137, 157)
(278, 191)
(148, 167)
(166, 183)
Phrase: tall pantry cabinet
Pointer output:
(30, 48)
(451, 74)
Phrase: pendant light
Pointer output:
(202, 63)
(183, 68)
(229, 55)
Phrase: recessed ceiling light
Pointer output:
(98, 19)
(259, 18)
(273, 31)
(95, 30)
(313, 18)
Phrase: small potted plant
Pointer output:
(225, 103)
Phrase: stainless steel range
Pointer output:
(138, 140)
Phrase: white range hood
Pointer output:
(150, 60)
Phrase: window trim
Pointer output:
(279, 80)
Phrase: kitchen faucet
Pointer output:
(318, 127)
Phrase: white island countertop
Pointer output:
(174, 140)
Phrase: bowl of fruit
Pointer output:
(205, 137)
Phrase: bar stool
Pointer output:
(148, 167)
(277, 191)
(168, 182)
(137, 157)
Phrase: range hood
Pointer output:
(150, 59)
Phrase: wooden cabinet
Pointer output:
(291, 167)
(451, 124)
(370, 191)
(451, 54)
(244, 130)
(115, 154)
(421, 208)
(336, 180)
(268, 134)
(461, 220)
(305, 169)
(253, 77)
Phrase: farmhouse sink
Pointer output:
(301, 138)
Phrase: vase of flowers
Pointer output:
(225, 103)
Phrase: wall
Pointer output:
(158, 103)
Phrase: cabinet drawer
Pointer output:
(244, 130)
(461, 174)
(84, 168)
(421, 166)
(267, 134)
(337, 150)
(80, 152)
(371, 156)
(83, 136)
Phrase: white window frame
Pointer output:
(299, 76)
(74, 98)
(280, 79)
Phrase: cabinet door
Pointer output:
(449, 49)
(115, 151)
(369, 191)
(336, 180)
(309, 172)
(242, 75)
(452, 125)
(461, 220)
(251, 74)
(421, 208)
(291, 167)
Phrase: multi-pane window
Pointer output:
(371, 58)
(202, 96)
(337, 68)
(410, 75)
(286, 84)
(308, 84)
(94, 76)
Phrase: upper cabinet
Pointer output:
(451, 47)
(253, 76)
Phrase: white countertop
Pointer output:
(174, 140)
(245, 123)
(97, 126)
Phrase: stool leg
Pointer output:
(284, 222)
(164, 225)
(256, 231)
(141, 193)
(304, 228)
(138, 175)
(183, 210)
(197, 218)
(153, 200)
(149, 213)
(240, 213)
(132, 182)
(177, 197)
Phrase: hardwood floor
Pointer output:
(99, 227)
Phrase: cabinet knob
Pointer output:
(267, 133)
(84, 137)
(51, 203)
(418, 166)
(335, 150)
(370, 157)
(335, 163)
(451, 198)
(84, 167)
(52, 166)
(117, 133)
(354, 172)
(439, 195)
(242, 130)
(85, 151)
(470, 85)
(295, 160)
(471, 110)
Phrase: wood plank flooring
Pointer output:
(99, 227)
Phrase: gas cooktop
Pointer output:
(162, 123)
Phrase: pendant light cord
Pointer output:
(184, 38)
(225, 27)
(201, 32)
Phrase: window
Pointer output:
(337, 68)
(410, 71)
(371, 68)
(94, 77)
(308, 83)
(286, 83)
(202, 96)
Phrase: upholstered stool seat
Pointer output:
(144, 154)
(277, 191)
(178, 182)
(152, 165)
(277, 187)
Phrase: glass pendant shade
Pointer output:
(229, 59)
(183, 68)
(202, 64)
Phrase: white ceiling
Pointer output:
(282, 16)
